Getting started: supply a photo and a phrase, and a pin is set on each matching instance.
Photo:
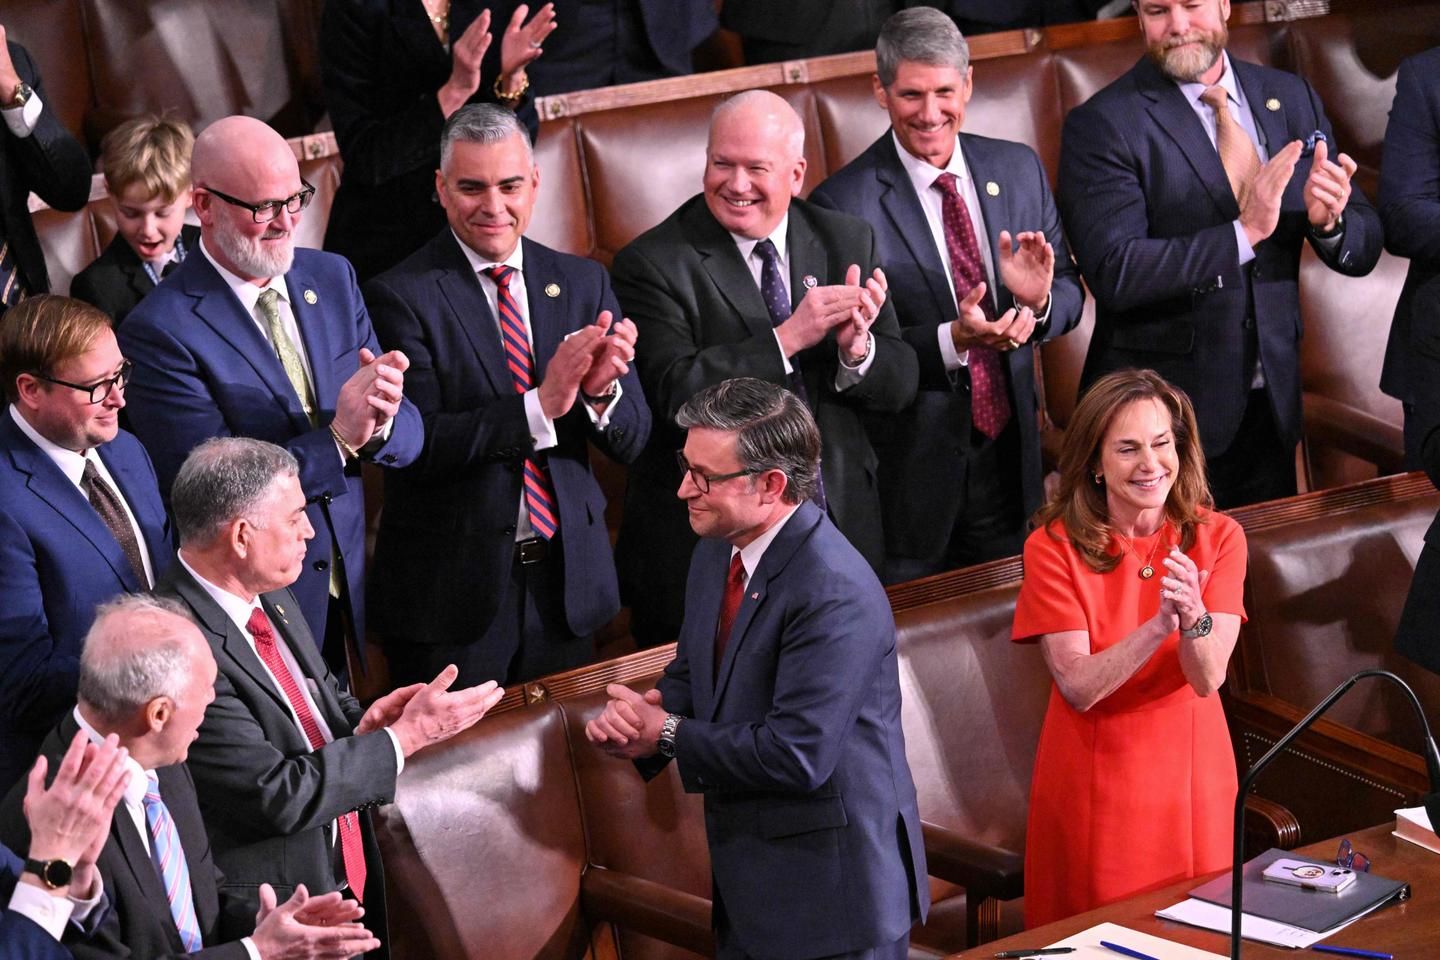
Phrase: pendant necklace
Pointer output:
(441, 20)
(1146, 570)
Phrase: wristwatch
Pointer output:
(19, 97)
(666, 742)
(1200, 628)
(1335, 231)
(54, 873)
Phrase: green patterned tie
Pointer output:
(285, 350)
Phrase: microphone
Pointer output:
(1431, 800)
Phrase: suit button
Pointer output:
(1248, 323)
(388, 458)
(619, 433)
(321, 565)
(509, 531)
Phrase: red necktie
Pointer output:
(539, 494)
(352, 848)
(989, 401)
(729, 606)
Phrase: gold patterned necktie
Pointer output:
(1237, 153)
(285, 350)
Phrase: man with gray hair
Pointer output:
(287, 764)
(782, 705)
(746, 280)
(970, 237)
(493, 551)
(146, 677)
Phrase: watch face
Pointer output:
(55, 873)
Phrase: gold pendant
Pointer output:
(1146, 572)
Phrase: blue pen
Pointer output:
(1125, 950)
(1352, 952)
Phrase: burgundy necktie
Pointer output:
(352, 847)
(989, 400)
(539, 493)
(729, 606)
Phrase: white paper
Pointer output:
(1087, 944)
(1212, 916)
(1417, 816)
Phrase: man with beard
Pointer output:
(1186, 189)
(254, 338)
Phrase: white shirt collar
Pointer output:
(236, 608)
(1227, 80)
(516, 260)
(245, 291)
(751, 553)
(135, 787)
(777, 237)
(71, 464)
(923, 173)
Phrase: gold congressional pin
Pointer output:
(552, 290)
(992, 188)
(810, 281)
(1272, 104)
(310, 297)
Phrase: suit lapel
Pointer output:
(460, 289)
(898, 199)
(547, 315)
(317, 334)
(152, 524)
(284, 613)
(1271, 125)
(131, 268)
(1172, 113)
(727, 270)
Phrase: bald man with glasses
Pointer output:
(255, 338)
(80, 514)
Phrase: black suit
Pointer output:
(927, 451)
(139, 923)
(51, 163)
(620, 41)
(269, 800)
(1416, 636)
(702, 320)
(117, 280)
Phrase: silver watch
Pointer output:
(1200, 628)
(666, 742)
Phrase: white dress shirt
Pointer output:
(22, 120)
(751, 553)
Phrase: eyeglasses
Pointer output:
(95, 391)
(702, 481)
(1348, 856)
(270, 209)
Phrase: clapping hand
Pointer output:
(1327, 189)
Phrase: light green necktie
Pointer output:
(285, 350)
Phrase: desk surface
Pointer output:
(1409, 930)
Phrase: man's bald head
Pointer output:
(754, 163)
(244, 159)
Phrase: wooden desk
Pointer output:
(1409, 930)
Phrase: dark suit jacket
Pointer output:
(702, 320)
(923, 450)
(1416, 633)
(20, 937)
(58, 562)
(50, 162)
(139, 924)
(203, 369)
(797, 748)
(382, 66)
(1410, 205)
(448, 528)
(269, 800)
(116, 280)
(1150, 215)
(669, 31)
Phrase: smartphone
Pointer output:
(1310, 876)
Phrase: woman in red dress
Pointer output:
(1133, 589)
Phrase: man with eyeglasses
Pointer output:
(254, 338)
(81, 519)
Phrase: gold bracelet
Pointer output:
(350, 451)
(513, 97)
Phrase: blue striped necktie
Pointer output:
(169, 859)
(539, 493)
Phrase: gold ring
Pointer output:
(1014, 344)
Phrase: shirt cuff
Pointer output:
(399, 754)
(602, 420)
(542, 428)
(1247, 252)
(49, 912)
(88, 911)
(847, 376)
(952, 358)
(783, 359)
(1329, 244)
(22, 120)
(250, 948)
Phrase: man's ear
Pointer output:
(158, 712)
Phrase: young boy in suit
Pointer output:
(146, 162)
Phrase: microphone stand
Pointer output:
(1431, 800)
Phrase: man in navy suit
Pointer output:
(255, 338)
(782, 705)
(1410, 208)
(518, 357)
(952, 493)
(1188, 222)
(80, 513)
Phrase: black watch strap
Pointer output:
(53, 873)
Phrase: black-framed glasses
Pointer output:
(97, 392)
(1348, 856)
(270, 209)
(702, 481)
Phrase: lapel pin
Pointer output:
(310, 297)
(810, 281)
(992, 188)
(1272, 105)
(754, 596)
(552, 290)
(279, 609)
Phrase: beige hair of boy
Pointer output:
(152, 150)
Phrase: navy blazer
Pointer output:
(203, 369)
(1410, 208)
(1150, 213)
(917, 460)
(20, 937)
(117, 280)
(448, 528)
(58, 562)
(797, 747)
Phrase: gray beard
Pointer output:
(249, 255)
